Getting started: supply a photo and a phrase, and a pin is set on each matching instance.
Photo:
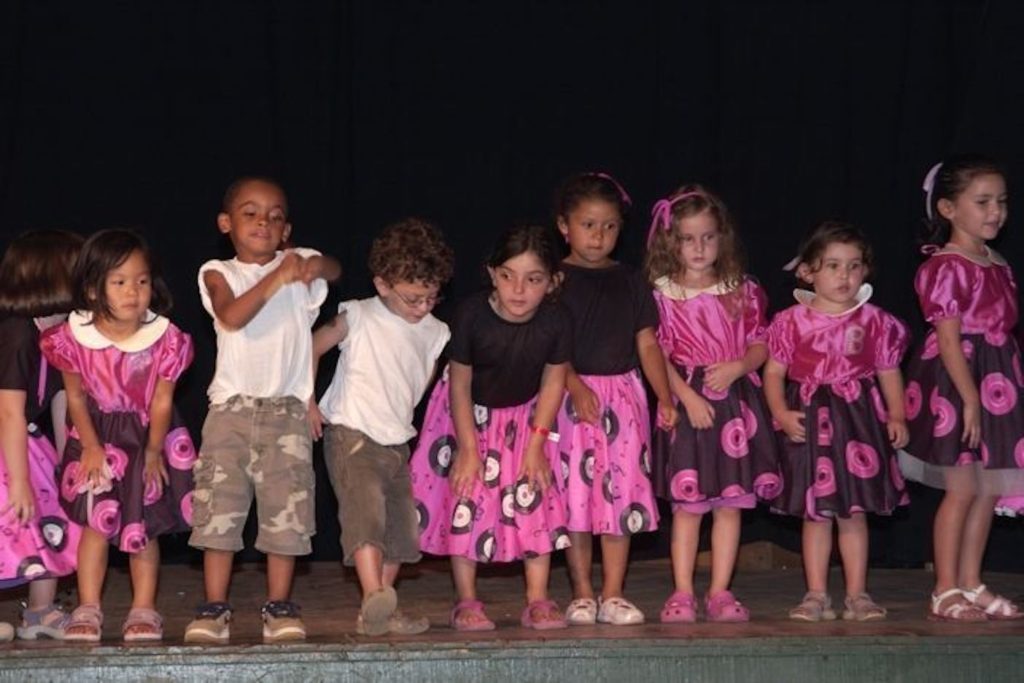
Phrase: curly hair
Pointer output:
(35, 273)
(664, 245)
(412, 250)
(954, 175)
(812, 249)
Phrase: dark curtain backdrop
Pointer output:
(470, 113)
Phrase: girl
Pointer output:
(968, 374)
(482, 472)
(126, 475)
(838, 437)
(712, 332)
(605, 425)
(39, 544)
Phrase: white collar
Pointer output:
(89, 336)
(991, 255)
(806, 296)
(673, 290)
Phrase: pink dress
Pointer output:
(120, 380)
(982, 294)
(847, 463)
(735, 461)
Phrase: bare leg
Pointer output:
(369, 561)
(390, 573)
(853, 548)
(144, 568)
(280, 569)
(685, 540)
(464, 576)
(976, 528)
(817, 549)
(948, 533)
(41, 594)
(580, 558)
(537, 571)
(92, 570)
(614, 559)
(725, 546)
(217, 574)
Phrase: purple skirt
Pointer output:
(847, 464)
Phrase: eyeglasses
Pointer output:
(417, 301)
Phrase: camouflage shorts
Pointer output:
(262, 445)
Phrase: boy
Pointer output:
(256, 435)
(389, 345)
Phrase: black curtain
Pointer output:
(470, 113)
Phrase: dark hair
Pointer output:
(662, 258)
(35, 273)
(231, 194)
(830, 232)
(528, 238)
(583, 186)
(412, 250)
(953, 177)
(104, 251)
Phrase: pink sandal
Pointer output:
(723, 607)
(469, 608)
(550, 616)
(680, 608)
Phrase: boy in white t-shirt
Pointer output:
(256, 437)
(389, 349)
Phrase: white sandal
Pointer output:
(581, 612)
(954, 611)
(619, 612)
(998, 608)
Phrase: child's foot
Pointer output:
(724, 607)
(619, 612)
(469, 615)
(212, 624)
(6, 632)
(85, 624)
(376, 611)
(862, 608)
(542, 615)
(814, 607)
(952, 605)
(680, 608)
(282, 621)
(400, 624)
(142, 625)
(48, 621)
(581, 612)
(996, 607)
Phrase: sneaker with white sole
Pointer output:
(282, 621)
(212, 624)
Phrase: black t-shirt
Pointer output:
(608, 306)
(508, 358)
(20, 358)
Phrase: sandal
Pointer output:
(88, 620)
(814, 607)
(619, 612)
(723, 607)
(680, 608)
(48, 621)
(542, 615)
(945, 607)
(998, 607)
(581, 612)
(142, 625)
(862, 608)
(376, 611)
(468, 615)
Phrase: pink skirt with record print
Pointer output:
(503, 520)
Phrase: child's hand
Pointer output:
(585, 403)
(668, 416)
(792, 422)
(899, 435)
(290, 268)
(465, 473)
(720, 376)
(698, 411)
(20, 500)
(972, 424)
(535, 469)
(155, 470)
(315, 420)
(311, 268)
(91, 466)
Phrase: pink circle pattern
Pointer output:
(1018, 453)
(152, 492)
(912, 399)
(117, 460)
(68, 481)
(186, 508)
(848, 390)
(945, 414)
(106, 517)
(824, 478)
(181, 453)
(824, 427)
(998, 394)
(749, 420)
(862, 459)
(685, 486)
(767, 485)
(133, 537)
(734, 438)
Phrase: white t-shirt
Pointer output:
(383, 370)
(272, 356)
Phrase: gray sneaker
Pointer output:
(212, 624)
(282, 622)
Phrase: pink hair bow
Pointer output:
(661, 214)
(929, 186)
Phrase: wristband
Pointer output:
(545, 432)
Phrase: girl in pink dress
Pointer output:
(37, 543)
(127, 469)
(966, 422)
(840, 415)
(605, 421)
(721, 457)
(484, 473)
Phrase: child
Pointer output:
(722, 456)
(39, 543)
(482, 471)
(968, 440)
(389, 349)
(127, 468)
(839, 437)
(256, 435)
(605, 426)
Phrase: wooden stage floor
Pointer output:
(905, 647)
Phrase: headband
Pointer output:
(661, 214)
(618, 186)
(928, 186)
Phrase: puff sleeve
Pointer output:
(176, 353)
(782, 337)
(891, 343)
(755, 316)
(60, 349)
(943, 288)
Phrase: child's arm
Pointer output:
(775, 396)
(653, 364)
(465, 471)
(233, 312)
(14, 441)
(584, 400)
(319, 266)
(536, 468)
(948, 332)
(159, 422)
(891, 382)
(93, 454)
(698, 411)
(325, 338)
(720, 376)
